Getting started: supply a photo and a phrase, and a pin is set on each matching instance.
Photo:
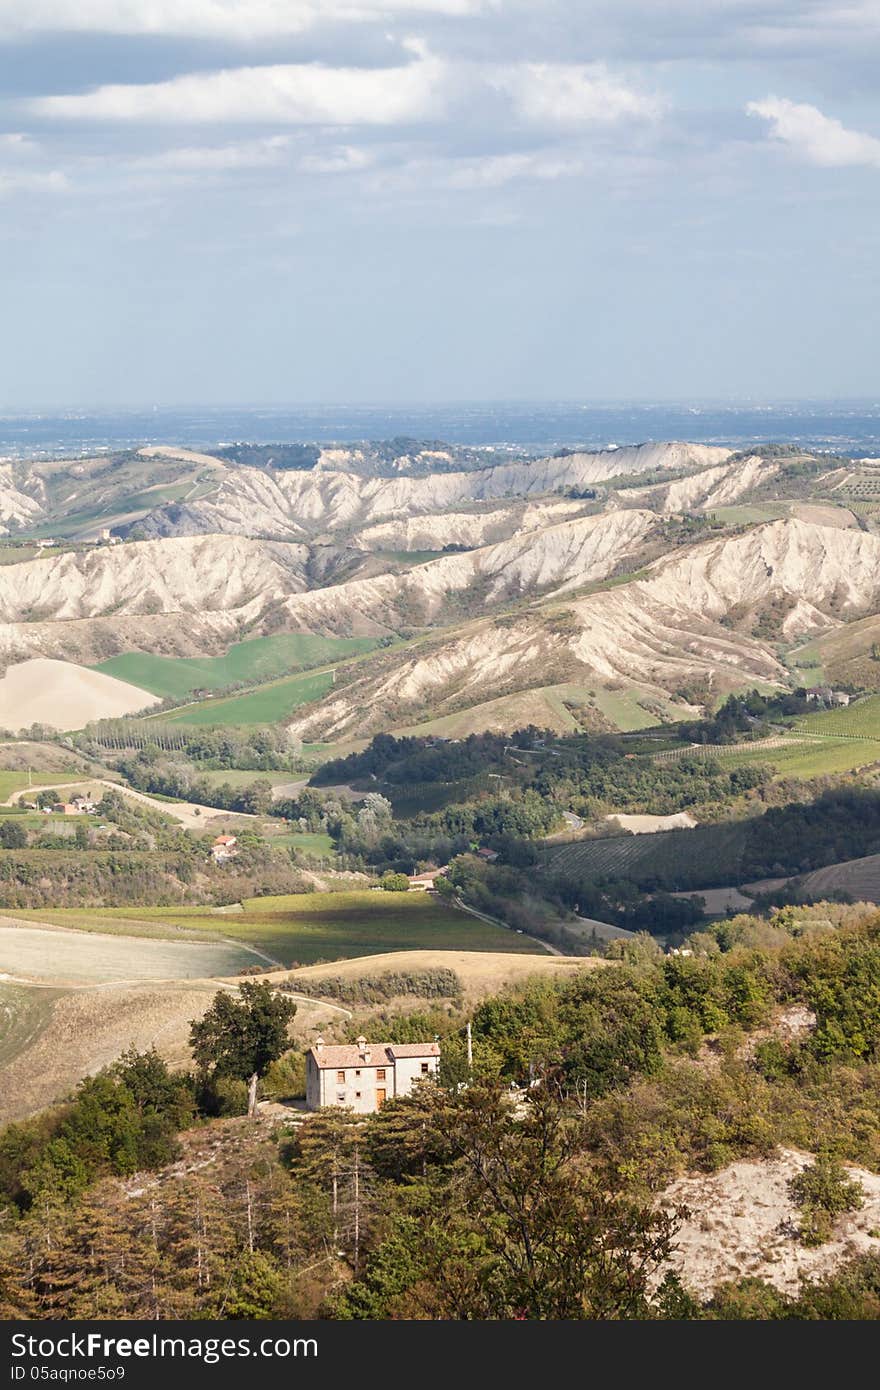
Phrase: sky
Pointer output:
(232, 201)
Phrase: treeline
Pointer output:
(588, 776)
(140, 878)
(180, 780)
(437, 982)
(300, 457)
(264, 748)
(743, 717)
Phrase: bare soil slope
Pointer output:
(743, 1222)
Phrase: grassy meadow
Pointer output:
(257, 660)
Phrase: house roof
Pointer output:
(381, 1054)
(225, 840)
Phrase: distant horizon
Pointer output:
(61, 408)
(842, 425)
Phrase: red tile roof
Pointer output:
(381, 1054)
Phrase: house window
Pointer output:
(424, 1069)
(380, 1073)
(357, 1095)
(340, 1097)
(357, 1073)
(340, 1077)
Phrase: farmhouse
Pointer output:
(223, 848)
(364, 1075)
(425, 881)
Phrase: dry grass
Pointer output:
(481, 972)
(86, 1029)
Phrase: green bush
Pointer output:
(822, 1191)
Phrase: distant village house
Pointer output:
(362, 1076)
(824, 695)
(424, 882)
(223, 848)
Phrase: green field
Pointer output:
(813, 757)
(254, 661)
(12, 782)
(305, 927)
(309, 841)
(624, 710)
(859, 720)
(268, 704)
(747, 513)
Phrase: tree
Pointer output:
(12, 835)
(518, 1226)
(394, 883)
(241, 1037)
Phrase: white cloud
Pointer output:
(549, 95)
(573, 94)
(245, 154)
(290, 93)
(343, 159)
(220, 19)
(820, 139)
(493, 171)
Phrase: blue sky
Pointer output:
(348, 200)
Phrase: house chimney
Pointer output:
(362, 1048)
(319, 1043)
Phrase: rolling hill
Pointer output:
(640, 581)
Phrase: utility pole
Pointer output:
(470, 1047)
(357, 1207)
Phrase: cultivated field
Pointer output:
(809, 751)
(12, 783)
(858, 720)
(304, 928)
(858, 877)
(703, 857)
(58, 1037)
(807, 757)
(192, 817)
(25, 755)
(64, 696)
(260, 659)
(268, 704)
(50, 955)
